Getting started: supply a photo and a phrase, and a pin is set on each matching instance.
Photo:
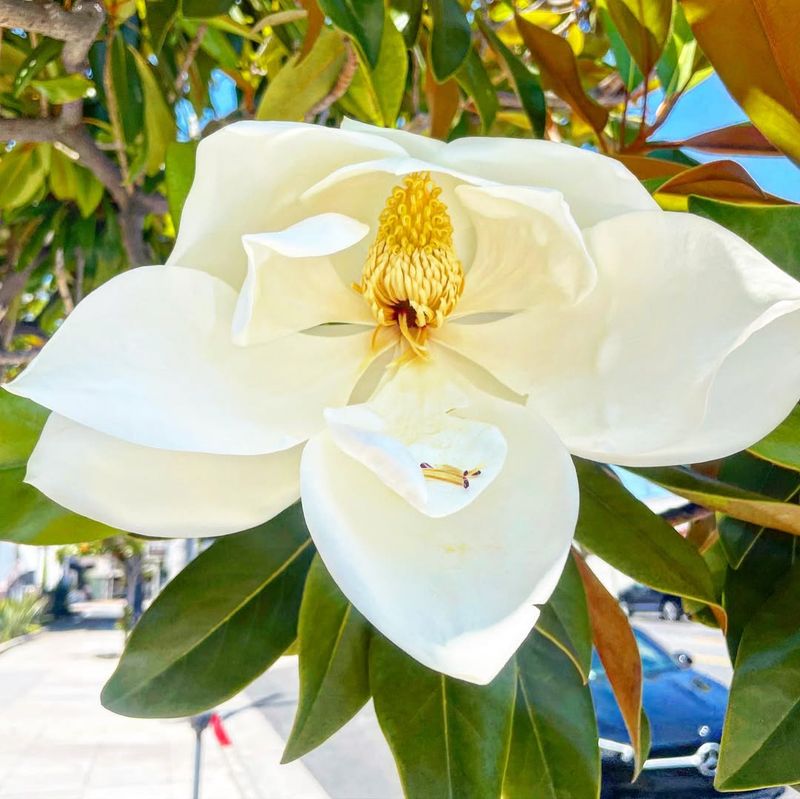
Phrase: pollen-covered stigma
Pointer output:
(413, 277)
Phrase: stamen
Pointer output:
(449, 474)
(412, 277)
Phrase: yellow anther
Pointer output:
(412, 277)
(449, 474)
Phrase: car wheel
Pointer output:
(626, 609)
(670, 610)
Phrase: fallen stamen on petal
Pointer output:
(413, 277)
(449, 474)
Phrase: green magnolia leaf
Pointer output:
(179, 176)
(644, 26)
(205, 8)
(451, 38)
(333, 640)
(127, 87)
(554, 750)
(376, 96)
(361, 19)
(41, 55)
(301, 84)
(526, 83)
(63, 90)
(743, 470)
(717, 495)
(411, 12)
(565, 620)
(626, 66)
(773, 230)
(159, 123)
(475, 81)
(782, 445)
(614, 525)
(759, 742)
(63, 176)
(21, 422)
(449, 738)
(22, 175)
(218, 625)
(88, 191)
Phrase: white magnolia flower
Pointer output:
(413, 337)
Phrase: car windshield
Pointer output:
(654, 658)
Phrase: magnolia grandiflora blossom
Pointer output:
(412, 337)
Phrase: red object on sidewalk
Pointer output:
(219, 730)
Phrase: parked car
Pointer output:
(643, 599)
(686, 710)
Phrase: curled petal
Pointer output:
(686, 350)
(157, 492)
(249, 176)
(595, 186)
(528, 247)
(291, 284)
(148, 358)
(457, 593)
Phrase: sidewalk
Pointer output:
(58, 742)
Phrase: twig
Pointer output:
(61, 282)
(17, 358)
(191, 54)
(340, 87)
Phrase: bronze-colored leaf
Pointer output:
(443, 103)
(559, 70)
(616, 647)
(743, 139)
(753, 46)
(647, 168)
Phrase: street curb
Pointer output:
(20, 639)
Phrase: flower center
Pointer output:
(412, 277)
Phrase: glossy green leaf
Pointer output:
(743, 470)
(631, 74)
(449, 738)
(41, 55)
(62, 176)
(21, 422)
(644, 26)
(88, 191)
(451, 38)
(750, 506)
(301, 84)
(159, 123)
(333, 644)
(773, 230)
(410, 12)
(526, 83)
(22, 175)
(205, 8)
(218, 625)
(554, 752)
(127, 88)
(782, 445)
(565, 620)
(361, 19)
(620, 529)
(759, 742)
(63, 90)
(475, 81)
(376, 96)
(179, 176)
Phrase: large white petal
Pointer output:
(423, 147)
(595, 186)
(457, 593)
(248, 178)
(291, 284)
(149, 358)
(157, 492)
(528, 248)
(686, 349)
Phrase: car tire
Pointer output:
(670, 610)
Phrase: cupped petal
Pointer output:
(158, 492)
(148, 358)
(458, 593)
(423, 147)
(414, 437)
(361, 191)
(291, 284)
(528, 247)
(686, 349)
(595, 186)
(248, 178)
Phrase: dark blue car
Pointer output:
(686, 710)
